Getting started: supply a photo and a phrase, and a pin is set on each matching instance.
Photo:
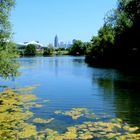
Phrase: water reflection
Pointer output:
(79, 60)
(68, 83)
(123, 94)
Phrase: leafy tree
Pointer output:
(117, 42)
(60, 51)
(126, 32)
(102, 46)
(8, 66)
(30, 50)
(49, 50)
(88, 47)
(77, 48)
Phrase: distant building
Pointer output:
(67, 45)
(22, 46)
(36, 43)
(56, 44)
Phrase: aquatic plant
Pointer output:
(42, 121)
(15, 114)
(97, 130)
(37, 105)
(74, 113)
(14, 111)
(93, 130)
(46, 101)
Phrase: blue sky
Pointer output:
(41, 20)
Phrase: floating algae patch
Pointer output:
(15, 114)
(37, 105)
(74, 113)
(93, 130)
(42, 121)
(46, 101)
(14, 111)
(26, 89)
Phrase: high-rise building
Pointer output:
(67, 45)
(56, 44)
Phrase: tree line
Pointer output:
(116, 45)
(8, 52)
(118, 41)
(35, 50)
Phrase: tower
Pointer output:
(56, 42)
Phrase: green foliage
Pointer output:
(61, 51)
(8, 53)
(88, 47)
(102, 45)
(77, 48)
(117, 43)
(30, 50)
(49, 50)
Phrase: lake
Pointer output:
(68, 82)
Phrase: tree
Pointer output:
(30, 50)
(117, 42)
(77, 48)
(49, 50)
(8, 53)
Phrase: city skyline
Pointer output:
(80, 19)
(55, 44)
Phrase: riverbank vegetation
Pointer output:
(117, 43)
(8, 52)
(77, 48)
(30, 50)
(33, 50)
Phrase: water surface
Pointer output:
(69, 83)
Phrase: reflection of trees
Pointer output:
(3, 87)
(127, 95)
(124, 96)
(79, 60)
(105, 83)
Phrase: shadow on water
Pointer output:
(79, 60)
(68, 82)
(122, 90)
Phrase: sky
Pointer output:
(41, 20)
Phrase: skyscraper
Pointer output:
(56, 42)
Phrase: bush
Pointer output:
(30, 50)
